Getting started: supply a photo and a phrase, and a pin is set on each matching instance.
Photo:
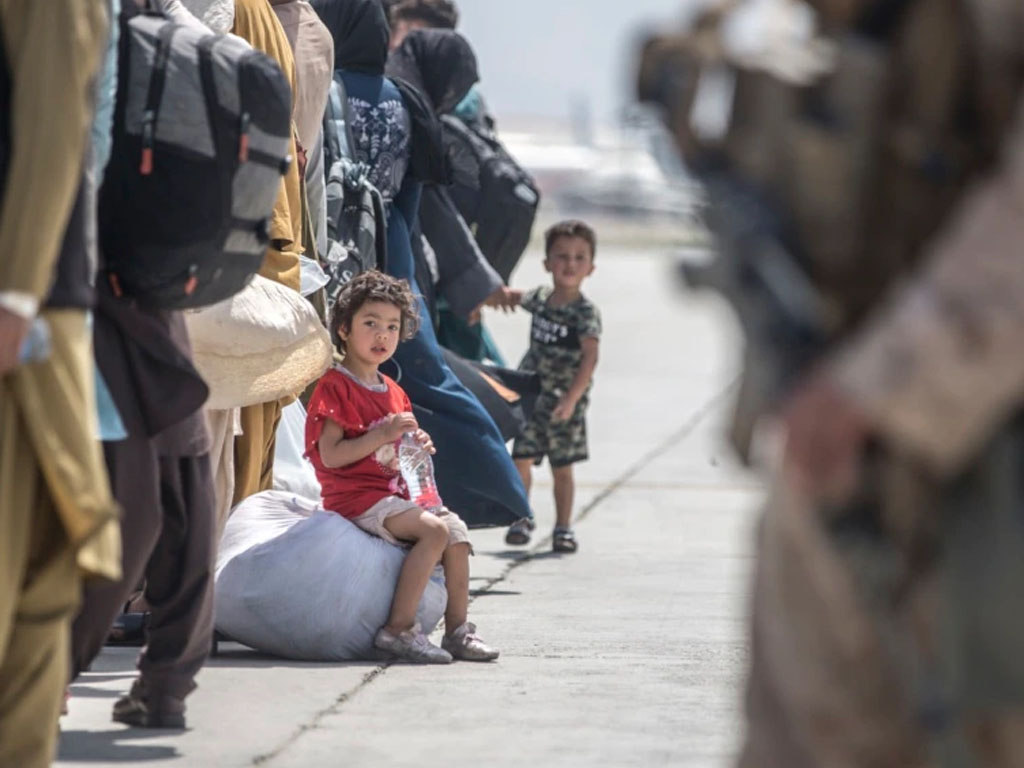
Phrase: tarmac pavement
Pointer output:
(629, 653)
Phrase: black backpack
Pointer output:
(202, 132)
(494, 194)
(356, 220)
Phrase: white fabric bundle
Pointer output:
(218, 15)
(293, 472)
(299, 582)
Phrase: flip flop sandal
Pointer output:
(519, 532)
(564, 540)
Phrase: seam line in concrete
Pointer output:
(634, 469)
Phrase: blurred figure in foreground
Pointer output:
(54, 495)
(866, 195)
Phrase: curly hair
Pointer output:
(441, 14)
(373, 286)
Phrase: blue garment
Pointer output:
(475, 473)
(106, 92)
(111, 426)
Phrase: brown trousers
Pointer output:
(39, 591)
(168, 541)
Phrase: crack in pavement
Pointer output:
(544, 544)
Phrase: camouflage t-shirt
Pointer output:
(555, 351)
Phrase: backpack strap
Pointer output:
(338, 142)
(155, 94)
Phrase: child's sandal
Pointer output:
(564, 540)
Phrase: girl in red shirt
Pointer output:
(357, 416)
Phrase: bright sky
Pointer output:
(537, 56)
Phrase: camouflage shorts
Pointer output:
(563, 442)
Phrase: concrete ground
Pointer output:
(628, 653)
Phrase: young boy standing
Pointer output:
(563, 351)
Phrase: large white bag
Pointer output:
(299, 582)
(293, 472)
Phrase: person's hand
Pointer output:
(397, 425)
(425, 441)
(504, 298)
(564, 410)
(13, 329)
(825, 435)
(473, 317)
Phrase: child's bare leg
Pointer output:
(565, 490)
(525, 467)
(460, 638)
(430, 535)
(455, 562)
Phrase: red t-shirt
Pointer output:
(355, 408)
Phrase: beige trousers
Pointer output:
(39, 592)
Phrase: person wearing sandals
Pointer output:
(563, 351)
(356, 418)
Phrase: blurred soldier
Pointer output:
(54, 497)
(867, 189)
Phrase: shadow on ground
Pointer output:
(113, 746)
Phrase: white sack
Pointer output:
(299, 582)
(292, 470)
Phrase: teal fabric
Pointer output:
(468, 110)
(473, 342)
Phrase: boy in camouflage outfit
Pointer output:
(563, 351)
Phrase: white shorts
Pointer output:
(372, 521)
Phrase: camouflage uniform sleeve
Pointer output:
(590, 323)
(941, 366)
(532, 300)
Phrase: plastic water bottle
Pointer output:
(37, 344)
(418, 471)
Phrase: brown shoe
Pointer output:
(140, 710)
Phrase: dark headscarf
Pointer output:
(439, 62)
(361, 33)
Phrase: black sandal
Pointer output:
(519, 532)
(564, 540)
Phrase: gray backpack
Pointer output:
(202, 132)
(356, 219)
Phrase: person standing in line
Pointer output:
(313, 49)
(408, 15)
(256, 23)
(161, 475)
(54, 495)
(564, 341)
